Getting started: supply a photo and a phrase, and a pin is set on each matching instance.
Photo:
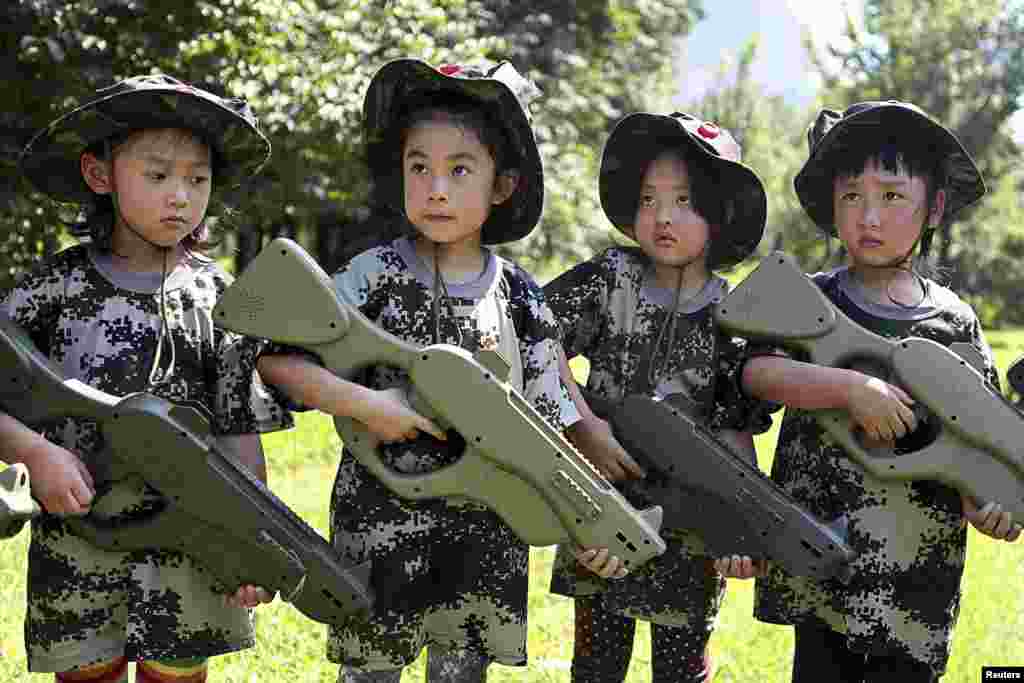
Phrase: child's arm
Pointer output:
(740, 566)
(382, 411)
(247, 450)
(60, 480)
(879, 408)
(593, 436)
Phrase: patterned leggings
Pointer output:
(116, 671)
(604, 645)
(821, 654)
(444, 666)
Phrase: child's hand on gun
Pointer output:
(741, 567)
(595, 440)
(60, 480)
(881, 409)
(249, 596)
(601, 562)
(386, 413)
(990, 520)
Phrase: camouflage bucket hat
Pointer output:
(871, 120)
(499, 88)
(639, 138)
(51, 160)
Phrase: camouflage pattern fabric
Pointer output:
(101, 325)
(905, 593)
(449, 573)
(612, 313)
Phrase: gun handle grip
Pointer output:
(502, 491)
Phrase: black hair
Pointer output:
(100, 215)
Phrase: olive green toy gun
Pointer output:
(16, 503)
(705, 486)
(215, 509)
(513, 460)
(978, 445)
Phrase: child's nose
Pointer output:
(665, 215)
(179, 194)
(872, 214)
(439, 188)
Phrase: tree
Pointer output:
(304, 65)
(963, 62)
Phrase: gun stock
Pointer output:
(513, 461)
(976, 449)
(704, 486)
(215, 509)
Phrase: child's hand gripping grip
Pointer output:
(513, 461)
(977, 448)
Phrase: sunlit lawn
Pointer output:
(291, 648)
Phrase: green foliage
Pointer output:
(305, 64)
(963, 62)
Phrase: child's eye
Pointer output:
(646, 201)
(200, 180)
(892, 196)
(849, 196)
(683, 199)
(416, 168)
(156, 175)
(460, 170)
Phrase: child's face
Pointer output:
(450, 181)
(162, 178)
(668, 228)
(879, 214)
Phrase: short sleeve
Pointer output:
(578, 299)
(538, 344)
(733, 408)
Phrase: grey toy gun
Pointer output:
(513, 461)
(215, 509)
(978, 445)
(705, 486)
(16, 503)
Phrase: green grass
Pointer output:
(291, 648)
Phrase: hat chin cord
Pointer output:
(157, 375)
(905, 263)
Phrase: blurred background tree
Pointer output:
(305, 64)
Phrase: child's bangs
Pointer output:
(856, 150)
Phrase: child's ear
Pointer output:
(504, 185)
(937, 209)
(96, 173)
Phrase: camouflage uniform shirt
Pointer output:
(612, 313)
(905, 593)
(446, 573)
(100, 325)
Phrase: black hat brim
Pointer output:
(52, 159)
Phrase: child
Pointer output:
(452, 153)
(131, 311)
(881, 176)
(642, 316)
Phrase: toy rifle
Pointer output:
(705, 486)
(978, 445)
(215, 509)
(16, 503)
(511, 460)
(1015, 377)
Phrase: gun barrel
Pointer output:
(705, 487)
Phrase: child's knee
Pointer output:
(172, 671)
(113, 671)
